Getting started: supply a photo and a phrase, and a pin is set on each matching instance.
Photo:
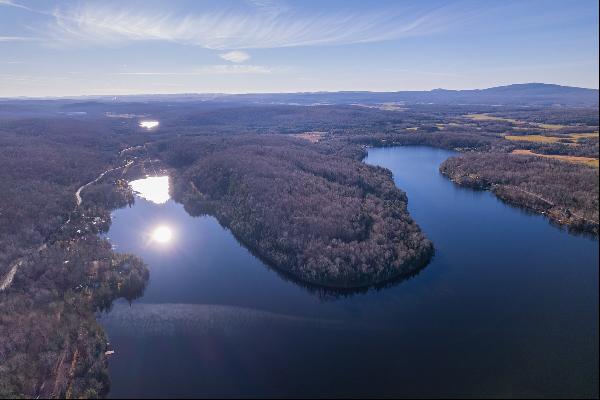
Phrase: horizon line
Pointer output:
(51, 97)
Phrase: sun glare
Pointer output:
(152, 188)
(162, 234)
(149, 124)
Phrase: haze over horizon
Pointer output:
(317, 92)
(61, 48)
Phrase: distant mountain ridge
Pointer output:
(523, 94)
(516, 94)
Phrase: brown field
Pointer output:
(584, 135)
(590, 162)
(392, 107)
(551, 127)
(535, 138)
(312, 137)
(487, 117)
(573, 137)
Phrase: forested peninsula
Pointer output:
(324, 218)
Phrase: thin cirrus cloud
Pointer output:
(11, 3)
(224, 69)
(231, 29)
(18, 39)
(14, 4)
(235, 56)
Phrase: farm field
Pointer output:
(589, 161)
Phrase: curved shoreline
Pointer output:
(558, 216)
(408, 269)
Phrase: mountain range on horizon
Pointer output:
(525, 94)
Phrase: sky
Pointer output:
(68, 48)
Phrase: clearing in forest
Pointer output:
(590, 162)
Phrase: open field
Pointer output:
(313, 137)
(590, 162)
(535, 138)
(551, 127)
(577, 136)
(572, 138)
(487, 117)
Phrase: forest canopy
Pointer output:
(325, 219)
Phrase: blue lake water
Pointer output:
(507, 307)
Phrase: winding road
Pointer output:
(14, 267)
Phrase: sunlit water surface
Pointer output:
(149, 124)
(152, 188)
(508, 307)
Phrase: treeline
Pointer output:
(43, 162)
(566, 193)
(50, 342)
(554, 115)
(461, 141)
(323, 218)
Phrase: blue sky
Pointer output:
(62, 48)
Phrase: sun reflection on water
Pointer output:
(162, 234)
(152, 188)
(149, 124)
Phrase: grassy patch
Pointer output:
(590, 162)
(551, 127)
(577, 136)
(313, 137)
(572, 138)
(535, 138)
(487, 117)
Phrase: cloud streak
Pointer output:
(219, 69)
(235, 56)
(10, 3)
(18, 39)
(264, 26)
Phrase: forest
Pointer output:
(320, 217)
(566, 193)
(287, 180)
(50, 343)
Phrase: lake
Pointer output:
(507, 307)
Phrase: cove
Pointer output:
(507, 307)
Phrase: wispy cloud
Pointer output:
(264, 25)
(219, 69)
(233, 69)
(18, 39)
(11, 3)
(14, 4)
(235, 56)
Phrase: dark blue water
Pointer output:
(508, 307)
